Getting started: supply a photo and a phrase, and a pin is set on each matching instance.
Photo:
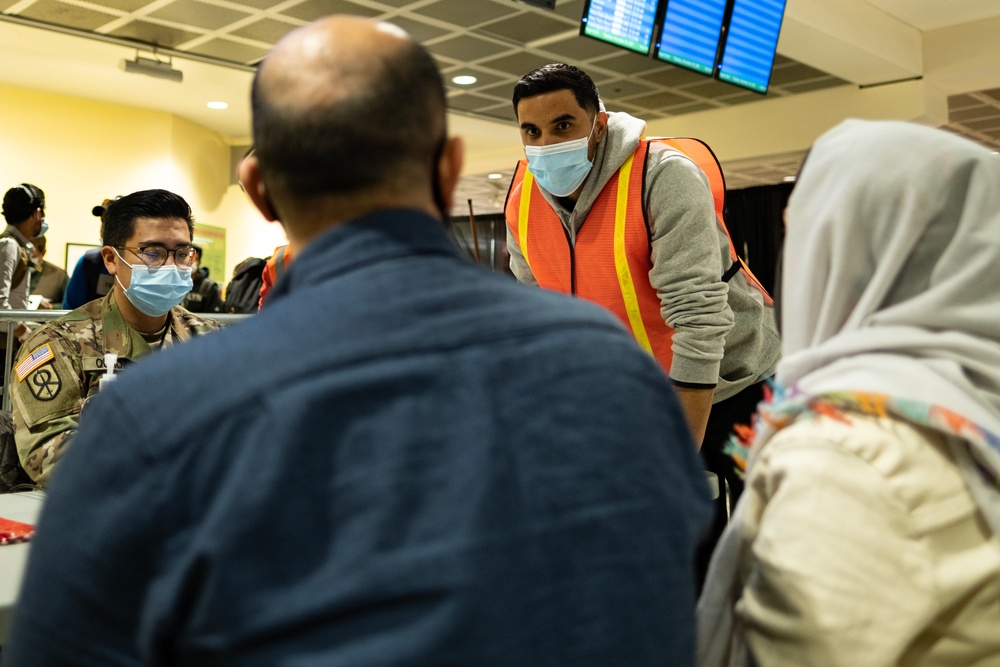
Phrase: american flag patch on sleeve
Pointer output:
(40, 355)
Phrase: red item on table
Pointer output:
(15, 531)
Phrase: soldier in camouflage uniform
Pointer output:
(62, 363)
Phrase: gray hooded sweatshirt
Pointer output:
(724, 333)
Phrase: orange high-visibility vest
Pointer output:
(610, 262)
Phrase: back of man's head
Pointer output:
(347, 107)
(21, 201)
(558, 76)
(118, 221)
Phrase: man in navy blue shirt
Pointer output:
(403, 460)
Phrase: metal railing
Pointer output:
(9, 320)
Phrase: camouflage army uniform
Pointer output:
(60, 367)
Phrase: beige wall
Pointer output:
(80, 151)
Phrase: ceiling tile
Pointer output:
(517, 64)
(740, 98)
(624, 88)
(671, 76)
(504, 90)
(467, 13)
(310, 10)
(260, 4)
(504, 113)
(234, 52)
(571, 9)
(710, 88)
(794, 73)
(466, 48)
(974, 113)
(125, 5)
(987, 124)
(527, 27)
(153, 33)
(265, 30)
(468, 102)
(198, 14)
(780, 60)
(819, 84)
(397, 3)
(627, 63)
(577, 48)
(658, 100)
(5, 4)
(419, 30)
(53, 11)
(962, 101)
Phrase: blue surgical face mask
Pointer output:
(561, 168)
(45, 227)
(154, 291)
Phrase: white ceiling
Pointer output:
(829, 49)
(931, 14)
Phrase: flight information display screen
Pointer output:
(624, 23)
(690, 36)
(750, 43)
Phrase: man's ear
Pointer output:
(253, 185)
(601, 126)
(450, 169)
(109, 257)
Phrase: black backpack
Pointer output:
(243, 291)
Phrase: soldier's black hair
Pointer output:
(120, 215)
(558, 76)
(21, 201)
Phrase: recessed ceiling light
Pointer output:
(789, 179)
(464, 80)
(494, 176)
(218, 105)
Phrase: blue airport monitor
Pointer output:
(624, 23)
(690, 36)
(751, 42)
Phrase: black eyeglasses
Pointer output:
(155, 256)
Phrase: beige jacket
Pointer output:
(857, 544)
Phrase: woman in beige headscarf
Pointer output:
(868, 532)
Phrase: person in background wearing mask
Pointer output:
(48, 281)
(148, 251)
(599, 211)
(89, 279)
(205, 295)
(24, 211)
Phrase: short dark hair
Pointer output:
(389, 129)
(120, 215)
(21, 201)
(559, 76)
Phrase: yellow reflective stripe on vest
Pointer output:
(522, 215)
(621, 260)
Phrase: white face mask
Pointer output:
(561, 168)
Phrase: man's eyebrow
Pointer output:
(557, 119)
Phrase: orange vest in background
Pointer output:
(610, 262)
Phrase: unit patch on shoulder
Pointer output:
(44, 384)
(39, 356)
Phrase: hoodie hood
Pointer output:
(619, 142)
